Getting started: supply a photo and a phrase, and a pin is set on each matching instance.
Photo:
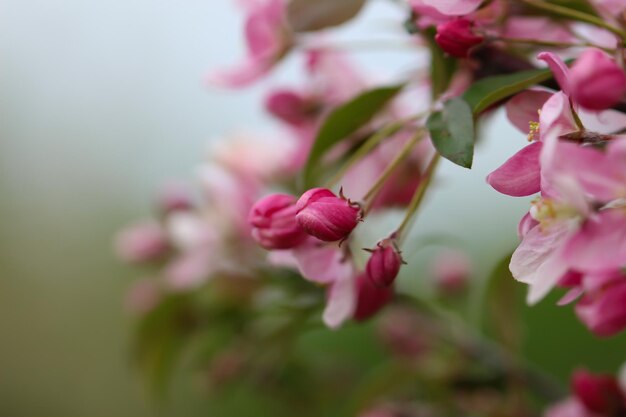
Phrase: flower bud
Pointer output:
(456, 37)
(451, 270)
(596, 81)
(289, 106)
(370, 299)
(141, 242)
(325, 216)
(384, 264)
(273, 219)
(599, 393)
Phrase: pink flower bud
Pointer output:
(175, 197)
(384, 264)
(456, 37)
(325, 216)
(599, 393)
(596, 81)
(141, 242)
(289, 106)
(370, 299)
(273, 219)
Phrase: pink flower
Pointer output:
(449, 7)
(599, 393)
(537, 28)
(143, 296)
(594, 396)
(384, 263)
(370, 298)
(451, 269)
(267, 39)
(457, 38)
(273, 219)
(141, 242)
(325, 216)
(175, 197)
(595, 81)
(291, 107)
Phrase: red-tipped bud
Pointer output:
(273, 220)
(597, 82)
(599, 393)
(370, 298)
(384, 264)
(325, 216)
(289, 106)
(457, 38)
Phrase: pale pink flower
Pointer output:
(143, 296)
(536, 28)
(449, 7)
(451, 270)
(267, 39)
(142, 242)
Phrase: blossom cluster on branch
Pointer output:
(274, 228)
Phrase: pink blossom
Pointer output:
(595, 81)
(599, 393)
(325, 216)
(384, 263)
(451, 270)
(291, 106)
(273, 219)
(267, 40)
(143, 296)
(175, 196)
(141, 242)
(603, 308)
(536, 28)
(457, 38)
(449, 7)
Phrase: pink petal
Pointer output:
(525, 225)
(450, 7)
(520, 175)
(537, 261)
(600, 245)
(559, 69)
(245, 74)
(341, 302)
(524, 108)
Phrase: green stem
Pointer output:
(575, 15)
(554, 44)
(418, 197)
(400, 157)
(366, 148)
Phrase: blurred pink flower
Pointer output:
(143, 296)
(267, 39)
(451, 270)
(273, 219)
(141, 242)
(456, 37)
(449, 7)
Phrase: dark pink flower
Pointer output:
(384, 263)
(603, 307)
(599, 393)
(273, 220)
(457, 38)
(325, 216)
(290, 106)
(370, 298)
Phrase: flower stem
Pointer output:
(554, 44)
(575, 15)
(400, 157)
(418, 197)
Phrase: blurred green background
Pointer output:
(102, 101)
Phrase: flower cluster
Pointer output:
(351, 150)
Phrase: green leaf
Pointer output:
(347, 119)
(504, 301)
(580, 5)
(312, 15)
(452, 132)
(488, 91)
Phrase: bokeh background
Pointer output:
(100, 102)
